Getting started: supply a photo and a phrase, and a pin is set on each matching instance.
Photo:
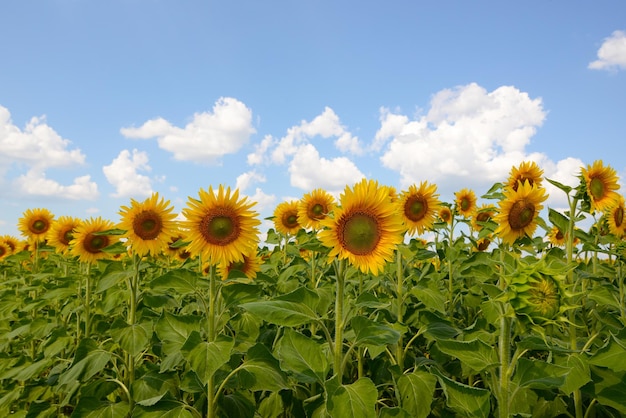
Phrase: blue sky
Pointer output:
(101, 102)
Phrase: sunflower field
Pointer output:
(376, 304)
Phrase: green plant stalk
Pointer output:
(399, 306)
(211, 394)
(573, 203)
(87, 302)
(450, 279)
(504, 348)
(133, 284)
(338, 346)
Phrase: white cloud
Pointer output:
(123, 173)
(309, 171)
(35, 183)
(208, 137)
(246, 179)
(566, 172)
(468, 133)
(264, 202)
(260, 150)
(612, 53)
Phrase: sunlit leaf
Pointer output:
(353, 400)
(181, 281)
(205, 358)
(281, 312)
(373, 333)
(299, 355)
(261, 371)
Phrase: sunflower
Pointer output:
(35, 223)
(221, 227)
(286, 218)
(392, 193)
(61, 233)
(5, 250)
(445, 214)
(365, 229)
(556, 237)
(482, 244)
(518, 212)
(465, 201)
(615, 217)
(249, 266)
(419, 207)
(527, 171)
(88, 246)
(483, 214)
(601, 183)
(313, 207)
(149, 225)
(12, 242)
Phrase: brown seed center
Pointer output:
(359, 233)
(416, 208)
(521, 214)
(147, 225)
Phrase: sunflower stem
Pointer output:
(133, 284)
(338, 346)
(504, 346)
(449, 259)
(87, 299)
(399, 306)
(211, 396)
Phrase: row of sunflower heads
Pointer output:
(219, 228)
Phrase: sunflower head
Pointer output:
(35, 223)
(5, 250)
(528, 171)
(88, 243)
(445, 214)
(365, 228)
(483, 214)
(220, 226)
(615, 217)
(286, 218)
(465, 202)
(419, 207)
(12, 243)
(61, 233)
(600, 185)
(482, 244)
(149, 225)
(249, 266)
(518, 212)
(313, 207)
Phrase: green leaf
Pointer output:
(354, 400)
(611, 355)
(416, 392)
(395, 412)
(238, 293)
(475, 354)
(303, 357)
(467, 400)
(431, 298)
(537, 374)
(236, 405)
(113, 274)
(89, 361)
(152, 386)
(281, 312)
(205, 358)
(566, 189)
(559, 220)
(164, 409)
(578, 375)
(610, 388)
(373, 333)
(272, 406)
(261, 371)
(173, 330)
(181, 281)
(132, 338)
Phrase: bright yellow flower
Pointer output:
(286, 218)
(556, 237)
(250, 266)
(527, 171)
(601, 183)
(220, 226)
(149, 225)
(88, 246)
(482, 244)
(615, 218)
(313, 207)
(61, 233)
(445, 214)
(518, 212)
(12, 242)
(5, 250)
(35, 223)
(465, 201)
(365, 229)
(483, 214)
(419, 207)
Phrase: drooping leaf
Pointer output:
(611, 355)
(416, 391)
(475, 354)
(164, 409)
(281, 312)
(609, 388)
(464, 399)
(537, 374)
(371, 332)
(173, 330)
(303, 357)
(261, 371)
(181, 281)
(579, 373)
(152, 386)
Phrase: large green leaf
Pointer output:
(303, 357)
(152, 386)
(132, 338)
(173, 330)
(537, 374)
(579, 373)
(238, 293)
(113, 275)
(373, 333)
(354, 400)
(431, 298)
(611, 355)
(282, 312)
(416, 392)
(181, 281)
(467, 400)
(609, 388)
(395, 412)
(89, 361)
(205, 358)
(475, 354)
(164, 409)
(261, 371)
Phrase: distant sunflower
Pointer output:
(365, 229)
(12, 242)
(35, 223)
(601, 184)
(482, 244)
(313, 207)
(392, 193)
(286, 218)
(5, 250)
(177, 245)
(615, 218)
(220, 226)
(527, 171)
(88, 246)
(556, 237)
(481, 215)
(250, 266)
(445, 214)
(61, 233)
(465, 201)
(518, 212)
(149, 225)
(419, 207)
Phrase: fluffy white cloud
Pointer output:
(309, 171)
(612, 53)
(123, 173)
(35, 183)
(208, 137)
(325, 125)
(468, 133)
(265, 203)
(246, 179)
